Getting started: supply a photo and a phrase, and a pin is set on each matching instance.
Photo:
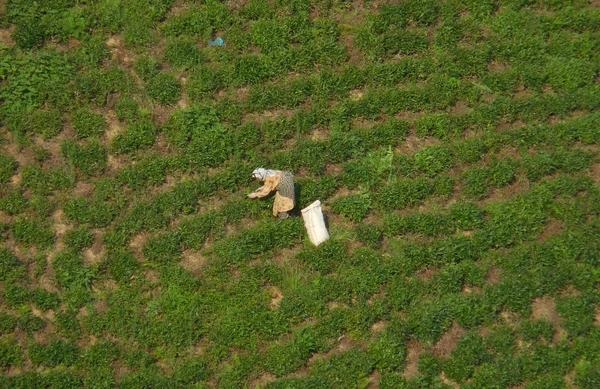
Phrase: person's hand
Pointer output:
(252, 195)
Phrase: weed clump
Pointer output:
(87, 123)
(165, 88)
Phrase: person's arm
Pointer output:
(263, 191)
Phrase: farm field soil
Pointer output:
(453, 145)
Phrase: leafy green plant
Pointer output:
(578, 313)
(29, 232)
(469, 353)
(43, 299)
(146, 67)
(121, 265)
(164, 87)
(533, 330)
(183, 53)
(466, 215)
(57, 352)
(87, 123)
(354, 207)
(127, 109)
(47, 122)
(79, 239)
(13, 202)
(73, 277)
(197, 131)
(476, 182)
(90, 158)
(10, 265)
(368, 234)
(401, 193)
(10, 353)
(8, 167)
(138, 136)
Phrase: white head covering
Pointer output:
(262, 173)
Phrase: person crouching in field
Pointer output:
(280, 181)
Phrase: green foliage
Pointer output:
(476, 182)
(469, 353)
(138, 136)
(191, 371)
(260, 239)
(79, 239)
(587, 375)
(8, 322)
(466, 215)
(127, 109)
(515, 220)
(121, 265)
(331, 92)
(284, 358)
(203, 82)
(46, 122)
(31, 78)
(57, 352)
(441, 126)
(96, 213)
(578, 314)
(10, 265)
(146, 67)
(72, 276)
(91, 52)
(433, 159)
(403, 192)
(164, 87)
(8, 167)
(183, 53)
(15, 295)
(90, 158)
(346, 370)
(87, 123)
(368, 234)
(388, 350)
(537, 329)
(197, 131)
(164, 248)
(502, 172)
(10, 353)
(324, 257)
(429, 365)
(569, 74)
(354, 207)
(30, 232)
(43, 299)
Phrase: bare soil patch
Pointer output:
(276, 297)
(413, 143)
(94, 254)
(412, 359)
(261, 381)
(193, 262)
(552, 228)
(448, 381)
(60, 224)
(5, 35)
(448, 341)
(596, 173)
(544, 308)
(493, 275)
(378, 326)
(114, 127)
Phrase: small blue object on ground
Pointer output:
(216, 42)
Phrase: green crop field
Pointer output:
(453, 144)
